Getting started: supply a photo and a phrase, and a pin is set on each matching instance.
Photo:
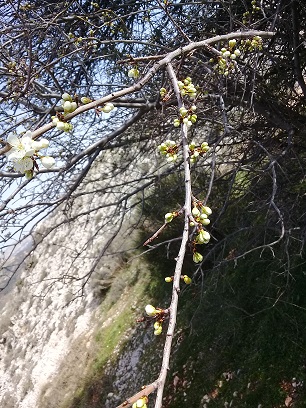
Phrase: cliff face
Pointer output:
(52, 308)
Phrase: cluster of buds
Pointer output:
(254, 44)
(196, 152)
(158, 315)
(133, 73)
(246, 17)
(225, 61)
(187, 116)
(200, 213)
(185, 278)
(141, 402)
(169, 149)
(187, 88)
(24, 152)
(68, 104)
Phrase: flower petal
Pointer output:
(13, 140)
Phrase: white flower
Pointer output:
(47, 162)
(21, 152)
(23, 145)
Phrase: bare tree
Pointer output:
(105, 83)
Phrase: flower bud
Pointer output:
(203, 237)
(168, 279)
(232, 43)
(157, 325)
(204, 147)
(183, 111)
(60, 125)
(133, 73)
(47, 162)
(158, 331)
(67, 127)
(197, 257)
(206, 210)
(85, 100)
(66, 97)
(67, 106)
(168, 217)
(151, 311)
(195, 212)
(162, 92)
(74, 105)
(192, 146)
(108, 107)
(28, 174)
(187, 280)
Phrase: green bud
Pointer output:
(85, 100)
(158, 331)
(197, 257)
(28, 174)
(205, 221)
(66, 97)
(206, 210)
(203, 237)
(232, 43)
(151, 311)
(168, 279)
(157, 325)
(195, 212)
(183, 111)
(60, 125)
(168, 217)
(67, 106)
(187, 280)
